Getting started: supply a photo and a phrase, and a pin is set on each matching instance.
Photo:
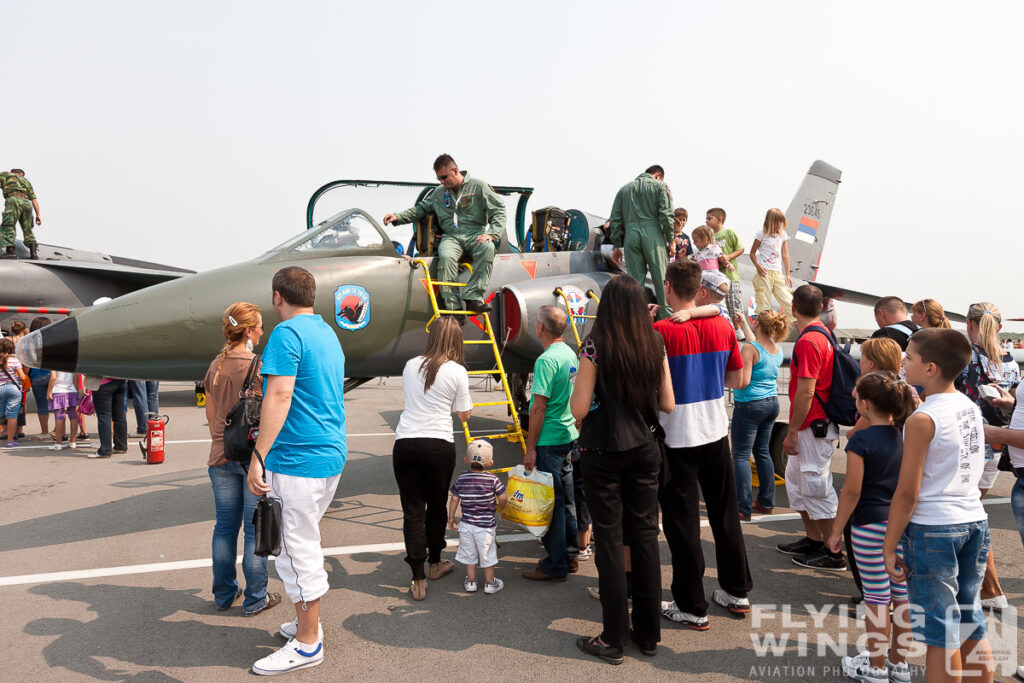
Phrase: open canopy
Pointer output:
(375, 198)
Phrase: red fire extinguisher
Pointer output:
(153, 449)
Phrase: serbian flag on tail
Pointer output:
(807, 230)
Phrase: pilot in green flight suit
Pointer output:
(465, 207)
(19, 200)
(642, 221)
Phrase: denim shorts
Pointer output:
(10, 400)
(946, 564)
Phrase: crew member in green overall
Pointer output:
(642, 222)
(472, 221)
(19, 200)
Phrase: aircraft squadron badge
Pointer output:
(351, 307)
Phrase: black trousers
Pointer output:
(622, 493)
(709, 466)
(848, 540)
(423, 470)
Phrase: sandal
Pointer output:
(418, 589)
(442, 568)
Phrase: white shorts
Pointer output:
(304, 501)
(809, 475)
(989, 474)
(476, 546)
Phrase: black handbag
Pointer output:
(266, 521)
(242, 424)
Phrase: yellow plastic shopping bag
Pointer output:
(531, 499)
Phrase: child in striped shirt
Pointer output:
(480, 493)
(874, 455)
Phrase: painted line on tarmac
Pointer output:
(104, 572)
(46, 444)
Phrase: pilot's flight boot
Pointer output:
(9, 253)
(476, 306)
(33, 252)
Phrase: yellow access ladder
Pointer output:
(572, 318)
(514, 432)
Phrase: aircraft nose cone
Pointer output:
(54, 347)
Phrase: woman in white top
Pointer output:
(424, 454)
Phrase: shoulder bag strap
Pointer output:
(247, 385)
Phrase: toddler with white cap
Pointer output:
(480, 493)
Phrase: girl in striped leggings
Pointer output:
(874, 455)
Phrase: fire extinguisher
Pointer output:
(153, 449)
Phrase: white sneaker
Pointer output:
(290, 628)
(731, 602)
(469, 585)
(56, 447)
(493, 586)
(859, 669)
(72, 445)
(670, 611)
(292, 657)
(585, 554)
(998, 603)
(898, 673)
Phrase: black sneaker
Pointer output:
(801, 547)
(648, 647)
(822, 560)
(592, 646)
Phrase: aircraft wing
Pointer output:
(143, 276)
(855, 297)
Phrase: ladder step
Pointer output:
(443, 311)
(448, 284)
(493, 403)
(477, 341)
(483, 372)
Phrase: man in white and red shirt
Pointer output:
(811, 438)
(704, 359)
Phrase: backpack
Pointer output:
(972, 377)
(841, 407)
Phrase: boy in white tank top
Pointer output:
(937, 513)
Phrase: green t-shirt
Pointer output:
(729, 242)
(553, 374)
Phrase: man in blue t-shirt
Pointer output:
(302, 432)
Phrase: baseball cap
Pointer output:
(715, 281)
(480, 451)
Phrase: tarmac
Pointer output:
(104, 575)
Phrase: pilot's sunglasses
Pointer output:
(443, 178)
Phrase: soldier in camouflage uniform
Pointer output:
(465, 207)
(642, 221)
(19, 201)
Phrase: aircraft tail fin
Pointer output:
(808, 217)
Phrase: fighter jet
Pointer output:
(372, 289)
(64, 278)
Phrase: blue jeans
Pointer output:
(111, 423)
(1017, 503)
(235, 505)
(945, 567)
(10, 402)
(561, 541)
(40, 383)
(752, 423)
(145, 399)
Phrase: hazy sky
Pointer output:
(193, 133)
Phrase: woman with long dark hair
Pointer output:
(434, 384)
(623, 381)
